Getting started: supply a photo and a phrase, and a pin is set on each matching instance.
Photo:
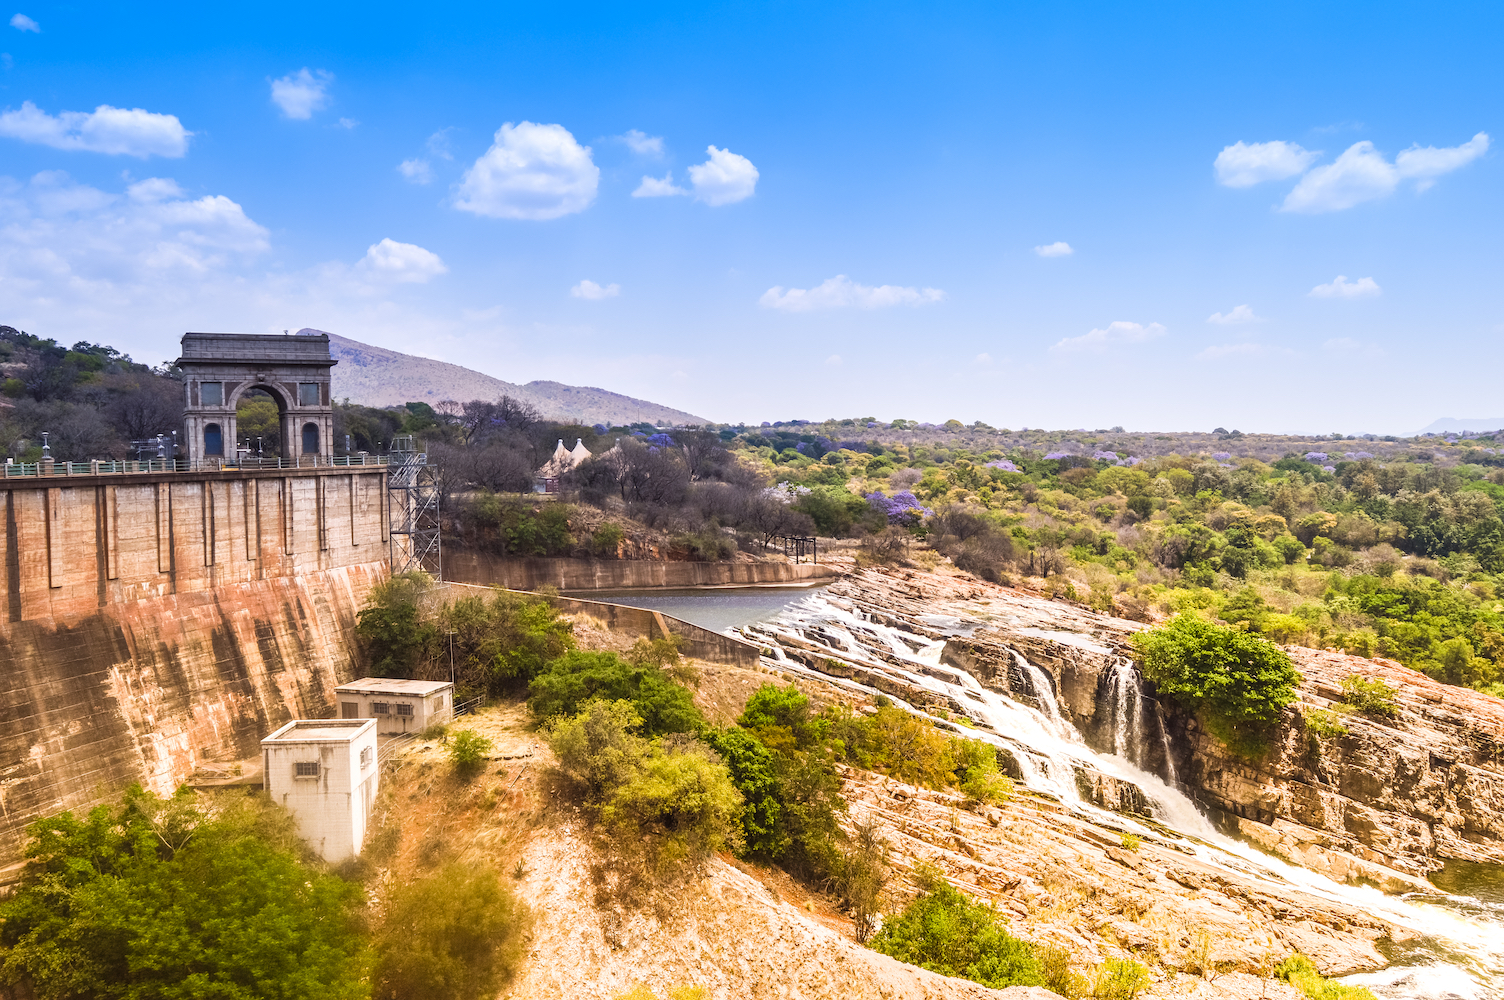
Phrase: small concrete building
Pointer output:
(397, 705)
(325, 773)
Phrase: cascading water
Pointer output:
(1049, 750)
(1127, 718)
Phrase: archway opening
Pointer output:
(310, 439)
(214, 441)
(258, 421)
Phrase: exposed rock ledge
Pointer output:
(1388, 802)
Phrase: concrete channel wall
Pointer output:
(696, 642)
(463, 566)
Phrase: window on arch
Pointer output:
(310, 439)
(214, 440)
(308, 394)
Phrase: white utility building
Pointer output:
(397, 705)
(325, 773)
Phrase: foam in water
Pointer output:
(1048, 748)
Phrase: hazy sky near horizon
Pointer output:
(1266, 216)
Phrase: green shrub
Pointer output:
(606, 541)
(468, 752)
(1055, 969)
(165, 898)
(392, 631)
(1324, 725)
(782, 716)
(1237, 681)
(862, 875)
(579, 676)
(455, 935)
(977, 773)
(1131, 842)
(946, 932)
(754, 772)
(1300, 972)
(1120, 979)
(503, 640)
(1371, 697)
(669, 803)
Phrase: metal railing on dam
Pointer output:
(161, 465)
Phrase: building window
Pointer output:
(305, 769)
(211, 393)
(380, 708)
(310, 439)
(308, 394)
(214, 440)
(365, 757)
(405, 710)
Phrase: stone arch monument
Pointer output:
(220, 368)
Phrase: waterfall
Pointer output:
(1049, 749)
(1127, 716)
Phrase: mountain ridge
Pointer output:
(1458, 424)
(379, 376)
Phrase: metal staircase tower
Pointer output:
(414, 503)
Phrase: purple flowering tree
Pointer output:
(1003, 464)
(903, 508)
(1316, 456)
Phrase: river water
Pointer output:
(718, 609)
(1460, 955)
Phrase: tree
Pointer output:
(178, 899)
(455, 935)
(1239, 681)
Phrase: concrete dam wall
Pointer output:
(154, 624)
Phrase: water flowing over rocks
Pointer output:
(1293, 851)
(1389, 799)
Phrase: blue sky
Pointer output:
(860, 209)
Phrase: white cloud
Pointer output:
(1362, 174)
(1244, 164)
(1234, 316)
(1425, 165)
(643, 144)
(530, 172)
(23, 23)
(348, 123)
(130, 265)
(834, 361)
(653, 187)
(841, 292)
(983, 359)
(1116, 333)
(724, 178)
(588, 289)
(302, 93)
(1341, 288)
(417, 171)
(404, 263)
(1057, 249)
(69, 246)
(116, 131)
